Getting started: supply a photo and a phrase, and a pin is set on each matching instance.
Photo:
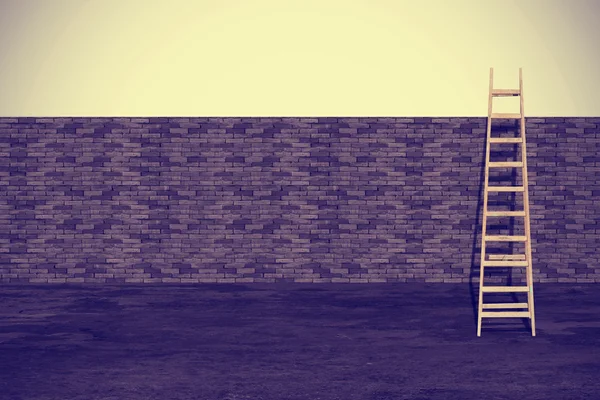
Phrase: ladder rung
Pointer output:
(506, 314)
(505, 92)
(505, 238)
(506, 305)
(505, 213)
(506, 188)
(506, 256)
(506, 115)
(504, 289)
(500, 264)
(506, 140)
(509, 164)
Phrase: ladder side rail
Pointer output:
(526, 207)
(485, 201)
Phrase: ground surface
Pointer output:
(293, 341)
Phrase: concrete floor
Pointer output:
(293, 341)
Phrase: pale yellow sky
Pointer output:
(296, 57)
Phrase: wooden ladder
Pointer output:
(508, 260)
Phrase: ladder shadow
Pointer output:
(476, 246)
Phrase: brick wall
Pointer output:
(286, 199)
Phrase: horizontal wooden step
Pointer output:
(506, 256)
(505, 314)
(505, 164)
(506, 305)
(505, 238)
(505, 213)
(506, 188)
(502, 264)
(506, 115)
(505, 289)
(505, 92)
(506, 140)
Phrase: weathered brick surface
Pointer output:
(285, 199)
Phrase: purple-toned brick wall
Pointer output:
(120, 200)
